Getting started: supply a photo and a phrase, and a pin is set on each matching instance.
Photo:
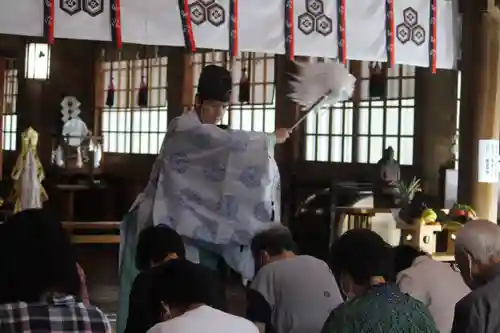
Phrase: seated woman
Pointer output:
(39, 286)
(434, 283)
(363, 262)
(183, 296)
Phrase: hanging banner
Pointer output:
(262, 26)
(412, 35)
(315, 28)
(448, 33)
(82, 19)
(133, 22)
(488, 161)
(23, 18)
(365, 31)
(412, 32)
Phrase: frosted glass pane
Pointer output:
(122, 146)
(408, 88)
(407, 121)
(123, 120)
(364, 122)
(112, 139)
(163, 121)
(363, 149)
(311, 124)
(144, 143)
(337, 115)
(394, 143)
(154, 148)
(377, 121)
(112, 121)
(324, 121)
(336, 153)
(406, 156)
(376, 144)
(136, 147)
(270, 120)
(393, 71)
(310, 148)
(258, 120)
(348, 121)
(235, 119)
(246, 120)
(322, 149)
(393, 88)
(392, 121)
(347, 149)
(408, 102)
(154, 121)
(365, 89)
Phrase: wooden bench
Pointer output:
(79, 232)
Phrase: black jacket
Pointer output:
(144, 309)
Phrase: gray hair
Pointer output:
(480, 239)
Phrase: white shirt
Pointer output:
(207, 320)
(437, 285)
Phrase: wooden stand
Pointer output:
(423, 236)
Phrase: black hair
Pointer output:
(404, 255)
(215, 83)
(274, 241)
(37, 259)
(178, 284)
(362, 254)
(155, 243)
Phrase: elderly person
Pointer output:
(434, 283)
(477, 253)
(363, 262)
(291, 293)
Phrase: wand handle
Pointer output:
(312, 109)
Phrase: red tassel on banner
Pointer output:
(244, 93)
(110, 94)
(142, 98)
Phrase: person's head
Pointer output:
(271, 245)
(477, 250)
(214, 92)
(360, 258)
(40, 261)
(157, 244)
(389, 153)
(179, 288)
(404, 256)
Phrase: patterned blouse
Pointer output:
(383, 309)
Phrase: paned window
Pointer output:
(134, 116)
(9, 106)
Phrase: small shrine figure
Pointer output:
(386, 182)
(28, 174)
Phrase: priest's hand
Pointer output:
(282, 134)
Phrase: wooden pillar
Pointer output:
(178, 80)
(480, 106)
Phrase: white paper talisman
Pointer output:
(82, 19)
(316, 28)
(261, 26)
(488, 155)
(23, 18)
(365, 30)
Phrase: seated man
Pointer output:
(185, 296)
(39, 285)
(363, 261)
(159, 246)
(477, 252)
(434, 283)
(290, 293)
